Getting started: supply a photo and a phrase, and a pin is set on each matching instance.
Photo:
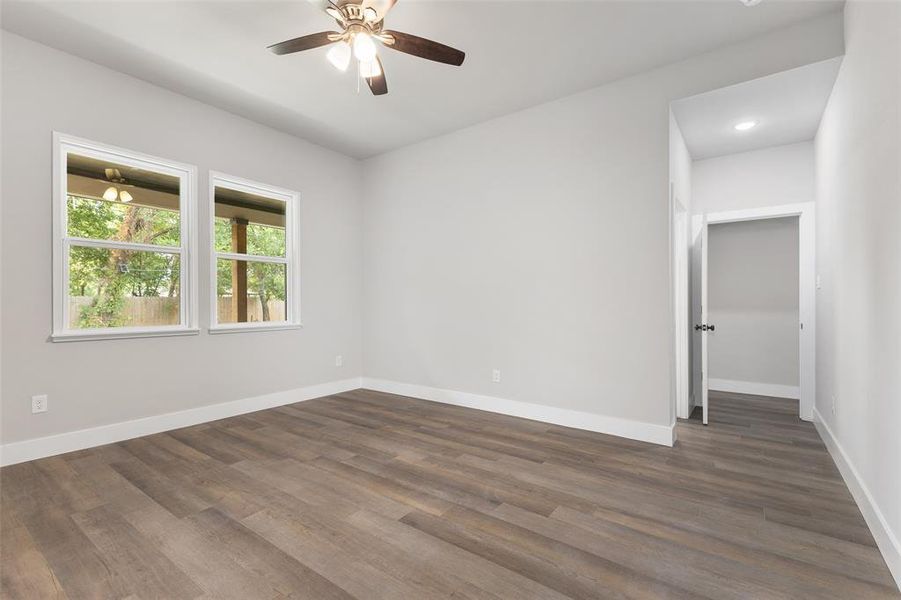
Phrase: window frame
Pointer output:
(63, 144)
(291, 259)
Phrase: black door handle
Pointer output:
(705, 327)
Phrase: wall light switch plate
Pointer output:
(339, 361)
(39, 404)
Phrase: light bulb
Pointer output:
(745, 125)
(110, 194)
(125, 196)
(370, 69)
(364, 47)
(339, 56)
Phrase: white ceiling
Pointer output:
(787, 106)
(519, 54)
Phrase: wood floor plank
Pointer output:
(284, 573)
(434, 553)
(704, 574)
(573, 573)
(175, 498)
(25, 572)
(370, 495)
(332, 558)
(146, 571)
(79, 566)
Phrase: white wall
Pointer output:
(102, 382)
(538, 243)
(753, 302)
(680, 164)
(858, 158)
(680, 181)
(768, 177)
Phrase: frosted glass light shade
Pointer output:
(110, 194)
(339, 56)
(364, 47)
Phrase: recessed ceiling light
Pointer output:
(750, 2)
(745, 125)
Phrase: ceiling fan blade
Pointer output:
(306, 42)
(423, 48)
(381, 7)
(378, 84)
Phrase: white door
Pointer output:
(699, 314)
(702, 327)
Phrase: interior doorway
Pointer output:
(764, 343)
(746, 152)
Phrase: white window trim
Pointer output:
(291, 259)
(187, 174)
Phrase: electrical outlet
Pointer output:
(496, 375)
(833, 403)
(339, 361)
(39, 404)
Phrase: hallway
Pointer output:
(774, 487)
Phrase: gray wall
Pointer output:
(760, 178)
(538, 243)
(483, 249)
(858, 157)
(100, 382)
(753, 301)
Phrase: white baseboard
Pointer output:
(885, 537)
(636, 430)
(16, 452)
(758, 389)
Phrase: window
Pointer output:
(123, 248)
(254, 264)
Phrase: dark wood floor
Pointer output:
(368, 495)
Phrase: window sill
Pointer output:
(112, 334)
(236, 328)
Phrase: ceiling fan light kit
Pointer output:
(362, 24)
(113, 193)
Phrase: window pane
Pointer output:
(261, 290)
(102, 220)
(122, 288)
(249, 224)
(109, 201)
(262, 240)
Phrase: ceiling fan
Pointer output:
(362, 24)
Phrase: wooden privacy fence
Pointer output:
(151, 310)
(254, 309)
